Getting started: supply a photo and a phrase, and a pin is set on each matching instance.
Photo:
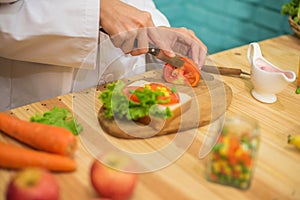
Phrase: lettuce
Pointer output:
(58, 117)
(117, 104)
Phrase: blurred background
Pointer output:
(224, 24)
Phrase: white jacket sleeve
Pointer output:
(56, 32)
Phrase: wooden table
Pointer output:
(277, 173)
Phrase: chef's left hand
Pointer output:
(182, 41)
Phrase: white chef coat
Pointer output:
(49, 48)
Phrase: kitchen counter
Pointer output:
(277, 172)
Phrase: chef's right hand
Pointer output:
(124, 24)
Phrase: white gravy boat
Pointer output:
(266, 78)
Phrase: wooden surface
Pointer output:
(277, 173)
(203, 109)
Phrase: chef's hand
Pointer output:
(125, 23)
(131, 30)
(182, 41)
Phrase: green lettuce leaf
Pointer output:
(117, 104)
(58, 117)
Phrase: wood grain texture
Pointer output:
(210, 99)
(278, 164)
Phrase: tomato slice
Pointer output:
(187, 74)
(168, 93)
(128, 92)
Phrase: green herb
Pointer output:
(298, 90)
(58, 117)
(117, 104)
(173, 89)
(292, 8)
(217, 147)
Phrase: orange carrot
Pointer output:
(14, 157)
(40, 136)
(298, 84)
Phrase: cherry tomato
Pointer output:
(187, 74)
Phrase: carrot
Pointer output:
(40, 136)
(15, 157)
(298, 84)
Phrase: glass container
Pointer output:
(232, 159)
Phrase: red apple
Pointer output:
(110, 182)
(33, 183)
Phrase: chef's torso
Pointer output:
(25, 82)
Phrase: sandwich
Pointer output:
(148, 103)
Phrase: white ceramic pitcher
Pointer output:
(267, 79)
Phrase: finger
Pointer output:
(198, 49)
(118, 40)
(141, 46)
(184, 42)
(201, 50)
(202, 56)
(169, 53)
(128, 43)
(181, 48)
(156, 39)
(195, 53)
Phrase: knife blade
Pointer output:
(223, 70)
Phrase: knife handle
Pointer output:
(174, 61)
(153, 50)
(221, 70)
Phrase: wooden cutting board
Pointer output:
(210, 99)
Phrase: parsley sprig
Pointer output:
(58, 117)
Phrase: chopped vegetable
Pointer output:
(292, 8)
(173, 89)
(15, 157)
(58, 117)
(294, 140)
(232, 159)
(166, 95)
(118, 104)
(44, 137)
(298, 90)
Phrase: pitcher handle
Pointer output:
(254, 52)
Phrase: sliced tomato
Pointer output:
(128, 90)
(187, 74)
(173, 96)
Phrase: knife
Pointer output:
(224, 70)
(177, 62)
(174, 61)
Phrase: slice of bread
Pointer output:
(177, 109)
